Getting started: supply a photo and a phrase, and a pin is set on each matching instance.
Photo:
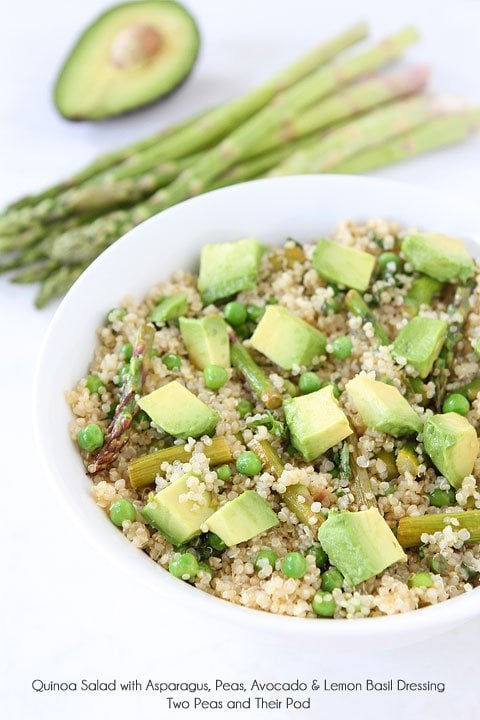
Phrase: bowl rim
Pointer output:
(428, 618)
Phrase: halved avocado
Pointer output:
(131, 55)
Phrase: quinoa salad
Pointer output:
(294, 428)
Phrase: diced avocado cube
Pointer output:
(343, 265)
(442, 257)
(360, 544)
(383, 407)
(242, 518)
(316, 422)
(169, 308)
(206, 340)
(179, 412)
(228, 268)
(176, 517)
(286, 339)
(452, 444)
(420, 342)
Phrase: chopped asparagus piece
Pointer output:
(411, 529)
(407, 460)
(254, 375)
(357, 306)
(422, 292)
(143, 470)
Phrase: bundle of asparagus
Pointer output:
(320, 114)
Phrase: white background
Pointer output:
(65, 613)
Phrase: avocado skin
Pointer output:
(99, 114)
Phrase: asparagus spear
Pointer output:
(442, 365)
(220, 121)
(422, 292)
(57, 283)
(83, 245)
(357, 306)
(254, 375)
(36, 272)
(436, 133)
(411, 529)
(117, 433)
(302, 508)
(370, 129)
(143, 470)
(360, 485)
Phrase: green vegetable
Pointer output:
(335, 388)
(357, 306)
(235, 313)
(342, 348)
(331, 579)
(169, 308)
(420, 579)
(255, 312)
(294, 565)
(248, 463)
(321, 557)
(224, 472)
(215, 376)
(122, 373)
(244, 407)
(126, 352)
(260, 384)
(205, 567)
(323, 604)
(456, 403)
(309, 382)
(215, 542)
(94, 384)
(172, 361)
(442, 498)
(266, 554)
(389, 263)
(410, 529)
(122, 510)
(438, 564)
(184, 566)
(90, 438)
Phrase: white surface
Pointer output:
(66, 613)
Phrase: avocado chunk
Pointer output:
(177, 518)
(383, 407)
(286, 339)
(452, 444)
(169, 308)
(179, 412)
(242, 518)
(228, 268)
(316, 422)
(360, 544)
(420, 342)
(206, 340)
(132, 55)
(343, 265)
(442, 257)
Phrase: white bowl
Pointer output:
(304, 208)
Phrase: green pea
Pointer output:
(205, 567)
(294, 565)
(438, 564)
(224, 472)
(126, 351)
(476, 348)
(255, 312)
(215, 376)
(122, 510)
(235, 313)
(336, 389)
(244, 408)
(266, 554)
(333, 305)
(332, 579)
(323, 604)
(456, 403)
(342, 347)
(389, 263)
(420, 579)
(321, 557)
(309, 382)
(90, 437)
(94, 384)
(248, 463)
(215, 542)
(185, 566)
(141, 417)
(290, 388)
(243, 331)
(442, 498)
(172, 361)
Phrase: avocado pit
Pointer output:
(134, 45)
